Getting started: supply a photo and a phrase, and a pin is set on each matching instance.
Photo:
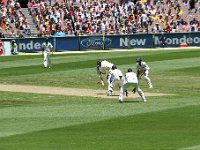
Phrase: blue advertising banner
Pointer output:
(116, 42)
(34, 44)
(31, 44)
(175, 39)
(67, 43)
(79, 43)
(131, 41)
(94, 42)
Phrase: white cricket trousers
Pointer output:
(148, 80)
(47, 60)
(114, 81)
(133, 86)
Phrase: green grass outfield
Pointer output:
(31, 121)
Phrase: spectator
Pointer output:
(19, 34)
(26, 29)
(193, 28)
(100, 17)
(60, 33)
(12, 33)
(168, 27)
(157, 28)
(1, 33)
(186, 27)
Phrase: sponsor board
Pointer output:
(134, 41)
(31, 44)
(95, 42)
(174, 40)
(59, 43)
(131, 41)
(5, 48)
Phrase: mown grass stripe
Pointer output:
(33, 69)
(71, 122)
(154, 130)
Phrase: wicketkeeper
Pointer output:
(115, 79)
(131, 80)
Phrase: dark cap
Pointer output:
(138, 59)
(98, 63)
(114, 67)
(130, 70)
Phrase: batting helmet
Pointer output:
(130, 70)
(114, 67)
(138, 59)
(98, 63)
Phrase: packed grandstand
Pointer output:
(97, 17)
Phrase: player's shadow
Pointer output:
(126, 99)
(100, 93)
(132, 101)
(104, 94)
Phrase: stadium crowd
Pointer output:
(96, 17)
(12, 20)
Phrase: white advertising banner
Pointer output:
(5, 48)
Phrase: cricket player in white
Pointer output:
(131, 80)
(102, 68)
(116, 78)
(47, 48)
(143, 69)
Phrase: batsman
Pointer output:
(102, 68)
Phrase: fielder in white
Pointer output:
(116, 79)
(143, 69)
(47, 48)
(131, 80)
(102, 68)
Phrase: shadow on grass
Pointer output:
(133, 101)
